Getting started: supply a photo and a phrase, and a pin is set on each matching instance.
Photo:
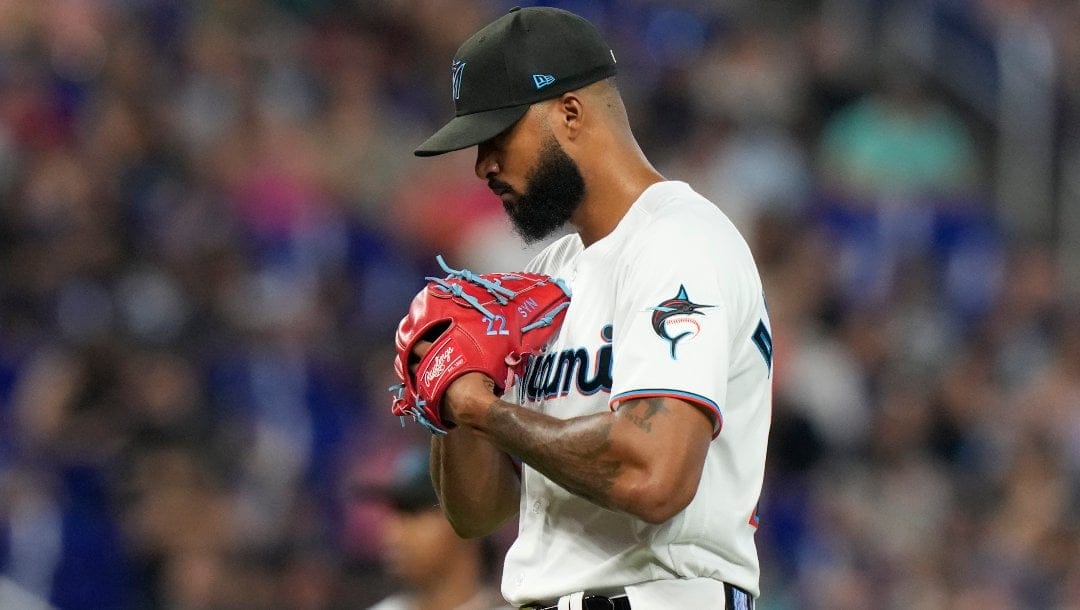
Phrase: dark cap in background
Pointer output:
(409, 488)
(526, 56)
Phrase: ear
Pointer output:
(569, 115)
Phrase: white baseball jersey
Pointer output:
(668, 304)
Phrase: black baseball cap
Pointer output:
(409, 489)
(526, 56)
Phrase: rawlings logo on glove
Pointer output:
(477, 323)
(439, 366)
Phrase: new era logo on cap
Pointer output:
(542, 80)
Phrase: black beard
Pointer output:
(554, 190)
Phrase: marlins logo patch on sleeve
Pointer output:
(672, 319)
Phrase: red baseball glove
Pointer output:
(485, 323)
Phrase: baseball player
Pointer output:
(632, 449)
(437, 568)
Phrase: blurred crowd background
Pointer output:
(211, 222)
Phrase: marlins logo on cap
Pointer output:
(456, 68)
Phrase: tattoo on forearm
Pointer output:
(642, 411)
(578, 464)
(595, 475)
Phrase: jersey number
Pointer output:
(763, 340)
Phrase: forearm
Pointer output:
(579, 454)
(603, 458)
(475, 481)
(644, 459)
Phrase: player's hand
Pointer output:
(466, 399)
(464, 394)
(419, 351)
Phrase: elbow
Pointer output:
(475, 525)
(657, 504)
(662, 512)
(466, 527)
(466, 530)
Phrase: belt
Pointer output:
(594, 602)
(735, 598)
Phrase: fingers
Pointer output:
(419, 351)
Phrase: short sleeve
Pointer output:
(672, 324)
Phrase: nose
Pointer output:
(487, 164)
